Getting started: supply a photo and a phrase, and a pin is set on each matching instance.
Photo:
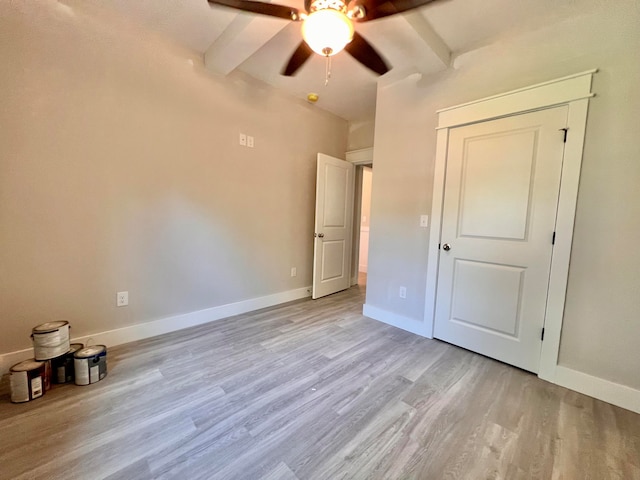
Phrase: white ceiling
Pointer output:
(420, 41)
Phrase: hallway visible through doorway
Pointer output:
(365, 213)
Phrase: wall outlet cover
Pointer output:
(122, 299)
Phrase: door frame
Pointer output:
(573, 91)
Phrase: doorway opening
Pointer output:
(364, 201)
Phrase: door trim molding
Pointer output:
(542, 95)
(364, 156)
(573, 91)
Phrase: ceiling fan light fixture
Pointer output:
(327, 31)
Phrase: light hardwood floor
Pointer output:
(313, 390)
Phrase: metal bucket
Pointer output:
(50, 340)
(27, 381)
(90, 364)
(62, 367)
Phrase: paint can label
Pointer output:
(19, 387)
(52, 339)
(36, 387)
(94, 374)
(61, 374)
(81, 367)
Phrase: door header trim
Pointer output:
(542, 95)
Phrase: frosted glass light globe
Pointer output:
(327, 31)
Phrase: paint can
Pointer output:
(50, 340)
(27, 381)
(90, 364)
(62, 367)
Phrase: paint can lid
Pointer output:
(91, 351)
(49, 326)
(26, 365)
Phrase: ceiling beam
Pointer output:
(429, 36)
(241, 39)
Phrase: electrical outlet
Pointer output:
(403, 292)
(243, 140)
(122, 299)
(294, 271)
(249, 141)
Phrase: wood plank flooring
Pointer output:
(313, 390)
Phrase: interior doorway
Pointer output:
(365, 215)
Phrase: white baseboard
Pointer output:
(169, 324)
(405, 323)
(605, 390)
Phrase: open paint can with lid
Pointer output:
(90, 364)
(50, 340)
(27, 381)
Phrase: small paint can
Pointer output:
(27, 381)
(62, 367)
(90, 364)
(50, 340)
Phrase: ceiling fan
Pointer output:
(327, 26)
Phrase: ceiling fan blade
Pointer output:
(301, 55)
(271, 9)
(363, 52)
(383, 8)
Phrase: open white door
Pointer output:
(501, 196)
(333, 226)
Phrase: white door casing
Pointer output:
(501, 194)
(333, 226)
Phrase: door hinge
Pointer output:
(565, 130)
(542, 335)
(553, 239)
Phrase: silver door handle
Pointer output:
(446, 247)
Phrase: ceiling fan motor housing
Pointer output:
(338, 5)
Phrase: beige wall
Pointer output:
(120, 169)
(361, 135)
(601, 333)
(365, 212)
